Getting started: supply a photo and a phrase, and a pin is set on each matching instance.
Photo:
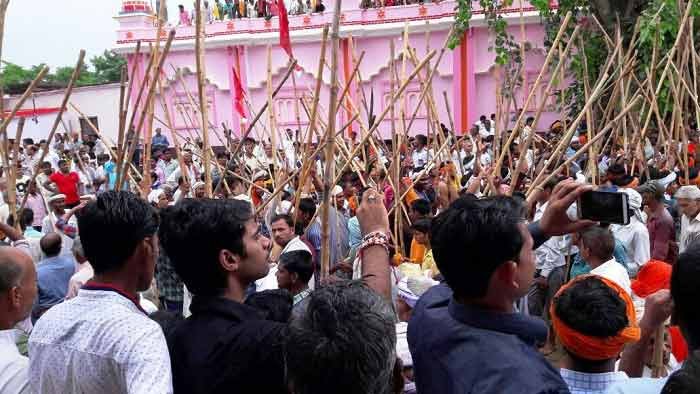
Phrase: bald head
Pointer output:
(51, 244)
(12, 266)
(17, 286)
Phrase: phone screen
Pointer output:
(606, 207)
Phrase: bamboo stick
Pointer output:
(396, 95)
(23, 98)
(203, 108)
(330, 134)
(518, 123)
(149, 97)
(309, 160)
(59, 116)
(559, 67)
(255, 119)
(579, 152)
(12, 174)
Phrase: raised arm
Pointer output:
(374, 224)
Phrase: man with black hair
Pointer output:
(294, 271)
(275, 303)
(596, 247)
(465, 335)
(593, 318)
(348, 330)
(681, 302)
(419, 157)
(126, 351)
(66, 183)
(282, 230)
(419, 209)
(221, 331)
(549, 259)
(307, 211)
(662, 231)
(686, 380)
(17, 294)
(53, 274)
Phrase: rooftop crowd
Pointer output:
(474, 288)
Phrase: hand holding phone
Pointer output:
(606, 207)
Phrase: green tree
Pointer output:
(108, 67)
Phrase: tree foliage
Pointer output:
(657, 22)
(105, 68)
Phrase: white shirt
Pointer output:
(635, 238)
(591, 383)
(47, 226)
(690, 231)
(269, 282)
(98, 342)
(14, 367)
(614, 271)
(550, 254)
(420, 158)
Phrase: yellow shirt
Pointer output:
(417, 252)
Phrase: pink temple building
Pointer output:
(467, 74)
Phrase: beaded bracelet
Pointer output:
(375, 238)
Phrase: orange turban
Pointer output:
(595, 348)
(652, 277)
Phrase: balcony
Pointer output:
(138, 22)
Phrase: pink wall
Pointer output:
(466, 73)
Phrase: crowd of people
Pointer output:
(218, 10)
(442, 272)
(222, 10)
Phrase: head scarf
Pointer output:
(411, 288)
(634, 203)
(688, 192)
(652, 277)
(596, 348)
(154, 195)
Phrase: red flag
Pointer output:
(239, 93)
(285, 42)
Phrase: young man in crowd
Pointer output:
(232, 254)
(596, 248)
(662, 232)
(681, 304)
(66, 183)
(484, 250)
(126, 351)
(594, 318)
(294, 271)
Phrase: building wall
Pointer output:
(101, 101)
(467, 74)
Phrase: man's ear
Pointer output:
(507, 274)
(228, 260)
(294, 277)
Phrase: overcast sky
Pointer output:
(54, 31)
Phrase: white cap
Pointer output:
(690, 192)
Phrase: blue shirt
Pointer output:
(581, 267)
(53, 275)
(459, 349)
(160, 140)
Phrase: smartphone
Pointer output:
(606, 207)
